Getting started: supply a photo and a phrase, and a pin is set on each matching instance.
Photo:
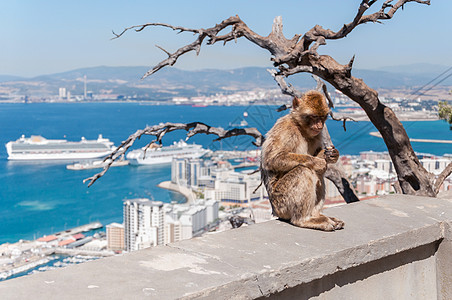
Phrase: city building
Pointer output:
(186, 171)
(184, 221)
(62, 93)
(143, 224)
(115, 237)
(236, 188)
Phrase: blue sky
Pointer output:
(43, 37)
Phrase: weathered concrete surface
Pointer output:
(389, 246)
(444, 264)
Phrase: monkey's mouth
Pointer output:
(316, 131)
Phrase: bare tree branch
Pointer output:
(343, 119)
(286, 89)
(335, 175)
(334, 172)
(317, 36)
(444, 174)
(159, 132)
(321, 86)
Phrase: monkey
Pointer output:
(293, 164)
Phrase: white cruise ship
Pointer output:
(38, 148)
(164, 155)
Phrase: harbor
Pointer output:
(24, 256)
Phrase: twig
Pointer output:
(159, 132)
(440, 179)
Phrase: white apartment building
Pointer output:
(384, 165)
(235, 188)
(143, 224)
(212, 208)
(185, 171)
(435, 165)
(186, 221)
(62, 92)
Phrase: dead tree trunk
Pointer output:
(413, 178)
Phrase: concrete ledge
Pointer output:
(392, 235)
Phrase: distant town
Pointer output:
(407, 94)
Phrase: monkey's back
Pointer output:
(283, 138)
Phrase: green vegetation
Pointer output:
(445, 112)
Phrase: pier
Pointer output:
(79, 229)
(377, 134)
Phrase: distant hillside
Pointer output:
(426, 69)
(171, 82)
(4, 78)
(386, 77)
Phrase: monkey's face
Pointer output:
(314, 124)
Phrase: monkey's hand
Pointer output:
(331, 155)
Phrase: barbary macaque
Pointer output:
(293, 164)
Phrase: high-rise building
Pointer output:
(212, 208)
(62, 92)
(186, 171)
(115, 237)
(143, 224)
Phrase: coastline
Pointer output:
(184, 191)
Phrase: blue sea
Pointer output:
(43, 198)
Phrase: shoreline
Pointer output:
(184, 191)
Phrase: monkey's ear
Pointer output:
(296, 102)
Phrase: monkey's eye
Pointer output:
(312, 119)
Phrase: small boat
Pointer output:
(97, 164)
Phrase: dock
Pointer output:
(377, 134)
(80, 229)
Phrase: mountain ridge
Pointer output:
(170, 82)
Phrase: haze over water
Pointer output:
(42, 198)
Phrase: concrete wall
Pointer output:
(395, 247)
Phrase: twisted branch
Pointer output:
(317, 36)
(440, 179)
(159, 132)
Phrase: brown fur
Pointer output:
(293, 164)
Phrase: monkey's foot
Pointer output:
(321, 223)
(338, 224)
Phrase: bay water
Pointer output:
(41, 198)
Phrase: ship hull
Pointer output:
(158, 161)
(164, 155)
(39, 148)
(58, 156)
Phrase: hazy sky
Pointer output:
(42, 37)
